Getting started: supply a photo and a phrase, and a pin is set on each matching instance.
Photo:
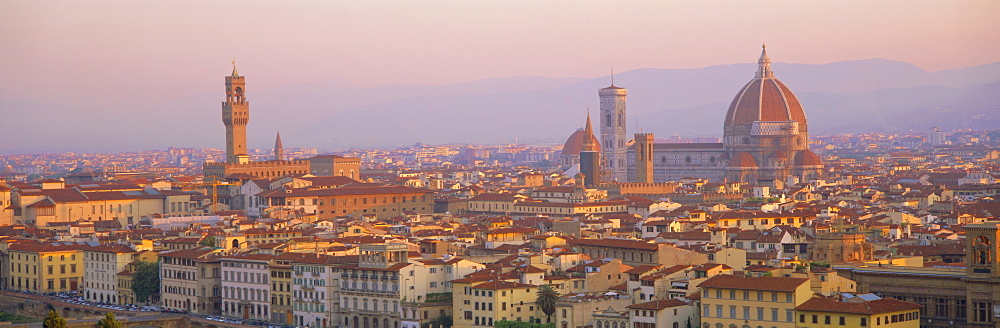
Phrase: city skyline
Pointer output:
(85, 81)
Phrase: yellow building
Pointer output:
(735, 301)
(281, 289)
(479, 304)
(858, 311)
(46, 267)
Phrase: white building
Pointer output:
(388, 289)
(314, 291)
(102, 263)
(246, 286)
(669, 313)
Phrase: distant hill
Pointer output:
(850, 96)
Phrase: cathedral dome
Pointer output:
(765, 99)
(742, 159)
(807, 158)
(574, 144)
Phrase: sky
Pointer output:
(113, 53)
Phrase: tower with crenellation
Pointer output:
(236, 115)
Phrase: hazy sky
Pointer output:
(105, 53)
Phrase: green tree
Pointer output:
(109, 322)
(53, 320)
(546, 301)
(208, 241)
(443, 321)
(146, 280)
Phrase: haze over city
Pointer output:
(499, 164)
(121, 75)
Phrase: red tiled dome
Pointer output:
(575, 142)
(807, 158)
(742, 159)
(765, 99)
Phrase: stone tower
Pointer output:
(590, 157)
(644, 157)
(981, 256)
(613, 135)
(279, 150)
(236, 115)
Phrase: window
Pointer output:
(826, 320)
(981, 311)
(864, 322)
(842, 320)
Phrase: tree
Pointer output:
(109, 322)
(207, 241)
(53, 320)
(444, 321)
(146, 280)
(546, 301)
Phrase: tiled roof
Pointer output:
(657, 304)
(616, 243)
(835, 305)
(778, 284)
(500, 284)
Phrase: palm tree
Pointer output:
(546, 301)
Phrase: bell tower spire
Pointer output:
(279, 150)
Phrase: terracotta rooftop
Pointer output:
(835, 305)
(777, 284)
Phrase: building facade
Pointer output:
(764, 301)
(102, 264)
(246, 286)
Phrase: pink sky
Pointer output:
(79, 72)
(111, 47)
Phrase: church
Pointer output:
(765, 139)
(235, 116)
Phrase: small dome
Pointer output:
(574, 144)
(807, 158)
(742, 159)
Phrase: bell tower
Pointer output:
(236, 115)
(613, 136)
